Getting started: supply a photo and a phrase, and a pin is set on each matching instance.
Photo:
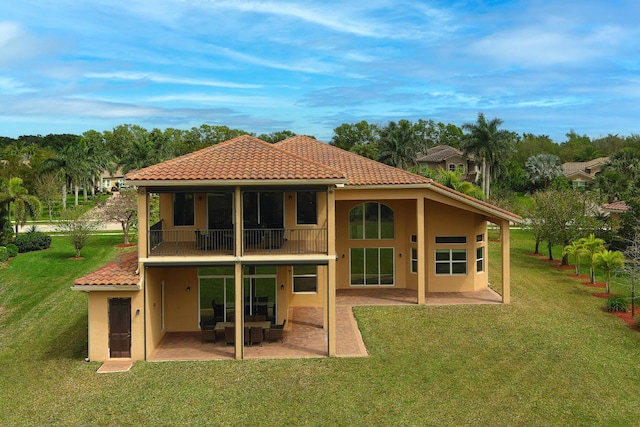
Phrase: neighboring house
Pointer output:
(580, 173)
(449, 159)
(110, 181)
(271, 227)
(614, 209)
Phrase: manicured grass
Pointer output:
(552, 357)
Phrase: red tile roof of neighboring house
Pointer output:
(239, 159)
(619, 206)
(358, 170)
(120, 272)
(570, 168)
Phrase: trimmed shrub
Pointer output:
(616, 304)
(29, 242)
(12, 249)
(4, 254)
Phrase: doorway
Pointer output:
(119, 327)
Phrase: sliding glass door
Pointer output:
(372, 267)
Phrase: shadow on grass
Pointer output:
(70, 342)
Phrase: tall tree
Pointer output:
(47, 188)
(123, 208)
(487, 143)
(348, 136)
(398, 144)
(25, 206)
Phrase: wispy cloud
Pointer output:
(158, 78)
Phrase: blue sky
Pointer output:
(545, 67)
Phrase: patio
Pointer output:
(304, 336)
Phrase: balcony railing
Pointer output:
(285, 241)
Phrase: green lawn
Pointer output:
(552, 357)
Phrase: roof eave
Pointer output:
(482, 206)
(235, 182)
(109, 288)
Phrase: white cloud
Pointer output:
(158, 78)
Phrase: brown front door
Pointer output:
(120, 327)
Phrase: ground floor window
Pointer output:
(451, 261)
(305, 279)
(372, 267)
(480, 259)
(414, 260)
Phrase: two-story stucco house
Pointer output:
(249, 228)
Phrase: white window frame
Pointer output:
(414, 260)
(480, 259)
(306, 276)
(450, 261)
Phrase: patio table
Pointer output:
(221, 325)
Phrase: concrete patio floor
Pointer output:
(304, 335)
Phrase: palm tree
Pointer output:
(398, 144)
(576, 250)
(592, 245)
(452, 179)
(609, 261)
(543, 168)
(24, 205)
(489, 144)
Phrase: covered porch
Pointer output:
(304, 336)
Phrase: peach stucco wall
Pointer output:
(99, 324)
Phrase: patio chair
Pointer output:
(257, 335)
(230, 334)
(208, 331)
(276, 332)
(247, 335)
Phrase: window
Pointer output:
(480, 259)
(305, 279)
(306, 208)
(480, 238)
(263, 209)
(452, 167)
(451, 239)
(451, 261)
(372, 266)
(414, 238)
(183, 209)
(414, 260)
(371, 221)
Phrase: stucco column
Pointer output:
(422, 250)
(239, 298)
(506, 262)
(330, 306)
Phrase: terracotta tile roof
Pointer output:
(240, 158)
(439, 153)
(359, 170)
(119, 272)
(572, 167)
(619, 206)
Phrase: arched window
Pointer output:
(371, 221)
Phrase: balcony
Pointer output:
(263, 241)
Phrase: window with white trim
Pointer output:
(371, 221)
(305, 279)
(479, 259)
(414, 260)
(451, 261)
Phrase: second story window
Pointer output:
(183, 209)
(371, 220)
(306, 208)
